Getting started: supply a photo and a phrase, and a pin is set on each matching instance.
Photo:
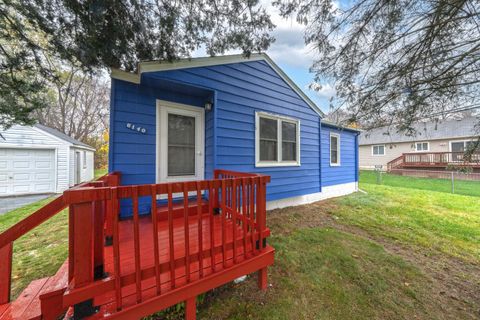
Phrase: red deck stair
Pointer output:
(146, 263)
(28, 305)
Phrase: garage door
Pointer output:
(26, 171)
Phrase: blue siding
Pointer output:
(241, 90)
(347, 171)
(238, 91)
(132, 153)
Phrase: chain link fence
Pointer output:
(443, 181)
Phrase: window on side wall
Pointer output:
(334, 149)
(277, 140)
(421, 146)
(378, 150)
(84, 159)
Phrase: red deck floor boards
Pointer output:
(127, 253)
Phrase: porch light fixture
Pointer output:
(208, 106)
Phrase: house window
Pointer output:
(84, 159)
(422, 146)
(461, 146)
(334, 149)
(277, 140)
(378, 150)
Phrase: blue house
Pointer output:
(178, 121)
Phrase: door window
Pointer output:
(181, 145)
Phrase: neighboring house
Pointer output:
(40, 159)
(179, 121)
(436, 145)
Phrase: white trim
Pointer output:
(84, 159)
(379, 145)
(333, 134)
(421, 142)
(327, 192)
(56, 170)
(154, 66)
(27, 146)
(82, 147)
(161, 157)
(279, 162)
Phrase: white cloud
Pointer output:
(289, 47)
(324, 90)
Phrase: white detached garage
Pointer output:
(40, 159)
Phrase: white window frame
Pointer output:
(379, 145)
(279, 162)
(163, 109)
(84, 159)
(337, 135)
(465, 141)
(422, 142)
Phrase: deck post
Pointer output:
(83, 253)
(5, 272)
(191, 308)
(112, 181)
(215, 195)
(262, 279)
(262, 212)
(98, 220)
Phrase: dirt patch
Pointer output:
(455, 283)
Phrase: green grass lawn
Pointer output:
(435, 221)
(100, 172)
(469, 188)
(331, 261)
(40, 252)
(389, 253)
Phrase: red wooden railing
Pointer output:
(8, 237)
(235, 201)
(395, 162)
(239, 198)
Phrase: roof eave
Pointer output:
(332, 124)
(155, 66)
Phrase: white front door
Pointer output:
(180, 142)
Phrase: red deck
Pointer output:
(145, 257)
(129, 295)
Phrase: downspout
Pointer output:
(215, 122)
(356, 160)
(320, 154)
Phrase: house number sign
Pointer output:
(134, 127)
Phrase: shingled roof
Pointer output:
(63, 136)
(446, 129)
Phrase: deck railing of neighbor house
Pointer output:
(434, 159)
(199, 235)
